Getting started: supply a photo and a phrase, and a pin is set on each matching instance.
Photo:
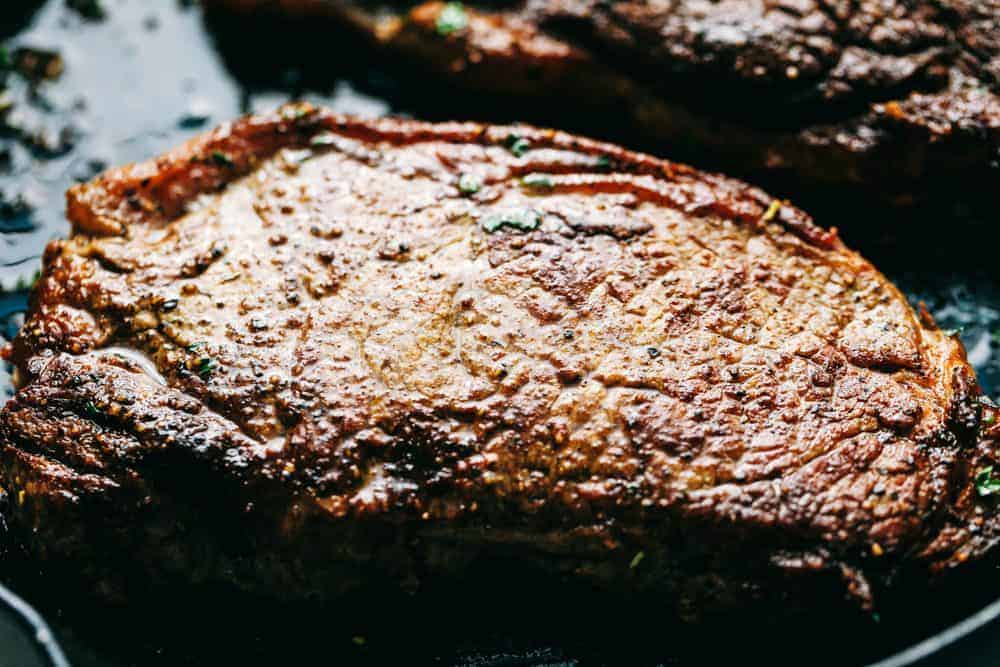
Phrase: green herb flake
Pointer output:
(359, 640)
(537, 182)
(524, 220)
(517, 145)
(771, 212)
(92, 410)
(295, 111)
(323, 140)
(636, 560)
(469, 184)
(194, 347)
(989, 410)
(603, 162)
(986, 483)
(452, 18)
(206, 365)
(222, 160)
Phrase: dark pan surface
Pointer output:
(150, 74)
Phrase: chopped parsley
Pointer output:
(91, 410)
(194, 347)
(469, 184)
(206, 365)
(222, 160)
(603, 162)
(524, 220)
(517, 145)
(636, 560)
(989, 409)
(771, 211)
(986, 483)
(452, 18)
(323, 140)
(537, 182)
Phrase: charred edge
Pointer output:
(160, 190)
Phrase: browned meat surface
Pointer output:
(893, 95)
(305, 351)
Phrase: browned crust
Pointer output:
(936, 125)
(83, 479)
(159, 190)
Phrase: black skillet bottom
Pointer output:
(151, 74)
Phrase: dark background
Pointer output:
(138, 77)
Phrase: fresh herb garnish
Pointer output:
(91, 410)
(323, 139)
(771, 211)
(603, 162)
(452, 18)
(517, 145)
(524, 220)
(359, 640)
(636, 560)
(469, 184)
(206, 365)
(194, 347)
(537, 182)
(222, 160)
(986, 483)
(989, 409)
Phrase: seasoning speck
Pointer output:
(518, 145)
(986, 483)
(452, 18)
(537, 182)
(468, 184)
(771, 211)
(524, 220)
(222, 160)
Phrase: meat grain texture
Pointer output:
(304, 352)
(894, 96)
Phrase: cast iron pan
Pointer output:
(141, 76)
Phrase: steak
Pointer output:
(896, 96)
(304, 352)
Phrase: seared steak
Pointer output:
(304, 351)
(896, 96)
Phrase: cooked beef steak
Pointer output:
(896, 96)
(304, 351)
